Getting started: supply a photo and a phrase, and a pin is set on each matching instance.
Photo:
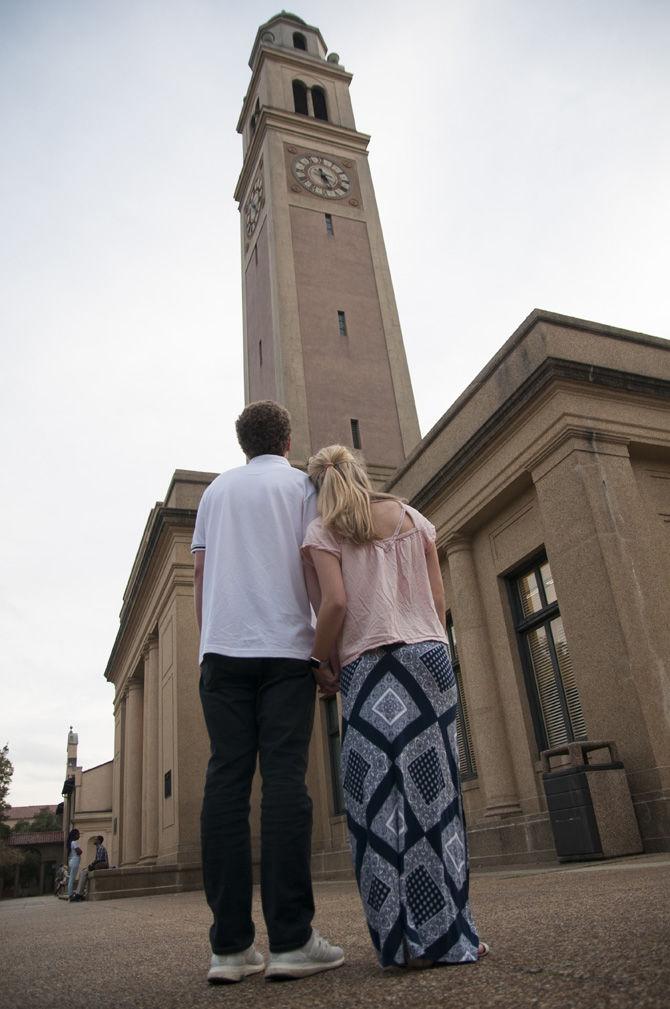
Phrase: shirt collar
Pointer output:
(268, 460)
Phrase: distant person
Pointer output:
(101, 861)
(257, 691)
(74, 857)
(382, 607)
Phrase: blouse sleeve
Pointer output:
(319, 538)
(426, 528)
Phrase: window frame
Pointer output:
(522, 626)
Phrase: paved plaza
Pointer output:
(589, 936)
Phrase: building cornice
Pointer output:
(304, 129)
(551, 370)
(163, 521)
(536, 318)
(295, 58)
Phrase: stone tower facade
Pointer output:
(321, 328)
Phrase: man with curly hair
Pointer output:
(257, 687)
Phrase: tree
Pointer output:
(6, 772)
(8, 857)
(43, 820)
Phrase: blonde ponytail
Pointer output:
(345, 493)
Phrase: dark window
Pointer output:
(255, 255)
(329, 224)
(260, 352)
(71, 761)
(334, 750)
(167, 784)
(355, 433)
(342, 323)
(116, 826)
(300, 97)
(299, 41)
(466, 753)
(319, 103)
(550, 681)
(254, 118)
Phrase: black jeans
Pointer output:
(261, 707)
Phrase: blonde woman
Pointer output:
(382, 611)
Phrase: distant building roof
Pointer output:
(26, 812)
(37, 837)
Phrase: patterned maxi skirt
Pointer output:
(404, 809)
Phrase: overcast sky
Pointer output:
(521, 155)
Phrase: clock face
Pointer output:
(321, 176)
(254, 206)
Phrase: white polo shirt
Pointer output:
(251, 523)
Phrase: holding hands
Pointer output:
(327, 680)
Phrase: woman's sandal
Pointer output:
(483, 950)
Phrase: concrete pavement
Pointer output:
(593, 936)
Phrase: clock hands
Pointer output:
(325, 177)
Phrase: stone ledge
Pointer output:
(144, 880)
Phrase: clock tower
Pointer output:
(321, 328)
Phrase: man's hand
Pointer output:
(327, 681)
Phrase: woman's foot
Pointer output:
(483, 950)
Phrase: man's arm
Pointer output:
(198, 573)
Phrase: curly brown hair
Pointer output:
(264, 428)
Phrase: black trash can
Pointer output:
(590, 807)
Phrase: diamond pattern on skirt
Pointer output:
(354, 779)
(437, 662)
(346, 676)
(427, 775)
(423, 896)
(379, 891)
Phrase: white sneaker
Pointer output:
(226, 968)
(316, 955)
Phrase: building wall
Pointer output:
(544, 455)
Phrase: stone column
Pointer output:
(483, 697)
(150, 783)
(132, 778)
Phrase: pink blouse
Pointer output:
(386, 583)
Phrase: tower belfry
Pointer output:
(321, 328)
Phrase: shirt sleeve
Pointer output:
(198, 541)
(309, 510)
(319, 538)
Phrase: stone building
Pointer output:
(548, 481)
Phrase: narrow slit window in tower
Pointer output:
(260, 352)
(299, 41)
(319, 103)
(355, 433)
(342, 323)
(300, 98)
(254, 118)
(329, 224)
